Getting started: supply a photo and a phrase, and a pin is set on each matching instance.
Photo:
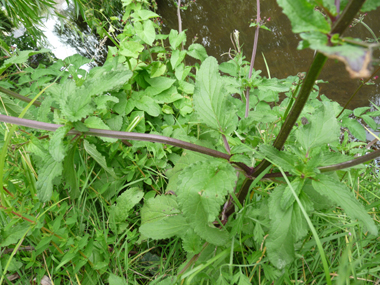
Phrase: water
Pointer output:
(212, 22)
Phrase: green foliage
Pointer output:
(147, 157)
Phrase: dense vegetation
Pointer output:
(148, 170)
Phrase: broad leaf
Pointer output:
(288, 198)
(50, 170)
(57, 148)
(322, 129)
(176, 39)
(287, 227)
(210, 99)
(70, 174)
(146, 32)
(303, 16)
(130, 49)
(99, 158)
(197, 51)
(124, 203)
(201, 192)
(97, 123)
(283, 159)
(161, 218)
(356, 129)
(338, 193)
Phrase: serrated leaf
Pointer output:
(101, 101)
(50, 170)
(197, 51)
(356, 129)
(322, 129)
(99, 158)
(76, 60)
(57, 148)
(303, 16)
(125, 202)
(201, 192)
(210, 99)
(287, 227)
(75, 102)
(284, 160)
(288, 198)
(176, 39)
(105, 79)
(338, 193)
(161, 218)
(146, 32)
(191, 242)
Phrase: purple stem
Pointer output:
(226, 145)
(337, 5)
(253, 57)
(117, 135)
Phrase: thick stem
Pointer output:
(254, 50)
(339, 26)
(118, 135)
(179, 16)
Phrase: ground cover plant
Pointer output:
(149, 170)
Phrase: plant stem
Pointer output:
(357, 90)
(253, 57)
(118, 135)
(337, 5)
(319, 60)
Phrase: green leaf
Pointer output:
(106, 78)
(288, 198)
(148, 105)
(285, 160)
(356, 129)
(191, 242)
(338, 193)
(99, 158)
(176, 39)
(177, 57)
(158, 85)
(201, 192)
(69, 173)
(145, 14)
(158, 69)
(287, 227)
(322, 129)
(369, 121)
(50, 170)
(370, 5)
(116, 280)
(146, 32)
(97, 123)
(210, 99)
(359, 111)
(124, 203)
(197, 51)
(161, 218)
(75, 102)
(303, 16)
(131, 49)
(57, 148)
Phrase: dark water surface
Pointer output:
(213, 21)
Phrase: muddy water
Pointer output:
(212, 22)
